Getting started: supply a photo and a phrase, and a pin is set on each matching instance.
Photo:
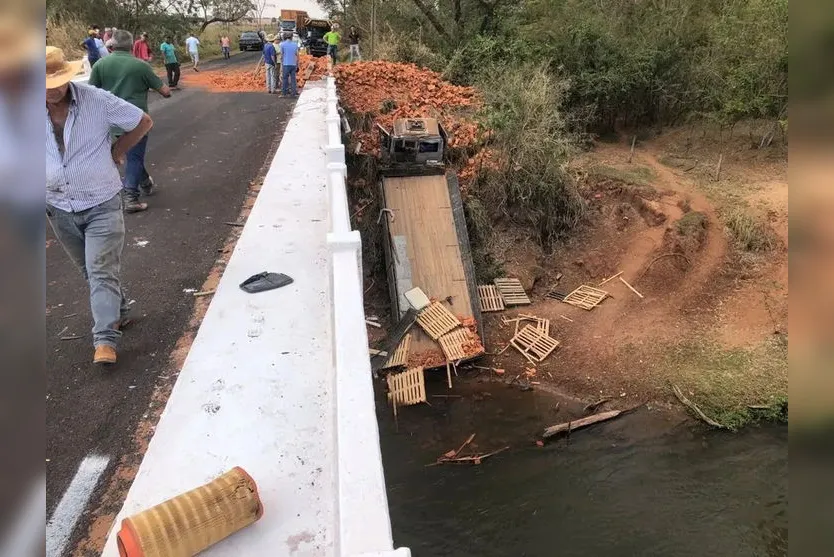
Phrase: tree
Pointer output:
(258, 9)
(213, 11)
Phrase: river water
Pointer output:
(647, 484)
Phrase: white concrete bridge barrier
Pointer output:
(279, 382)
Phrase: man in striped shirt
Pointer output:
(83, 187)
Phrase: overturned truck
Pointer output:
(426, 241)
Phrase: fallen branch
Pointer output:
(567, 427)
(70, 315)
(64, 330)
(566, 318)
(694, 407)
(373, 323)
(73, 337)
(594, 405)
(204, 293)
(473, 459)
(658, 258)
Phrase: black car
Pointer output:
(250, 40)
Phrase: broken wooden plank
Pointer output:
(630, 287)
(567, 427)
(400, 355)
(566, 318)
(393, 340)
(610, 278)
(373, 323)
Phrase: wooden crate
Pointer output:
(586, 297)
(400, 355)
(512, 292)
(490, 298)
(453, 344)
(436, 320)
(533, 343)
(407, 388)
(541, 323)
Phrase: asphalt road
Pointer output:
(204, 150)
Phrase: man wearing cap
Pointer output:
(83, 202)
(270, 61)
(130, 79)
(91, 47)
(289, 66)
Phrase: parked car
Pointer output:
(250, 40)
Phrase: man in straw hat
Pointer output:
(130, 79)
(270, 61)
(83, 186)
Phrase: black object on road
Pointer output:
(265, 281)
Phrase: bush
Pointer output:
(530, 183)
(750, 234)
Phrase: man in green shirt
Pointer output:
(130, 78)
(172, 65)
(333, 38)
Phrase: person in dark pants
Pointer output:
(289, 66)
(93, 54)
(130, 79)
(172, 65)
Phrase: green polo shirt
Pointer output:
(125, 76)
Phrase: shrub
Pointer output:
(750, 233)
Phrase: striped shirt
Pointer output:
(85, 174)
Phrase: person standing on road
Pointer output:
(332, 38)
(83, 204)
(270, 62)
(141, 48)
(226, 47)
(91, 47)
(192, 45)
(289, 66)
(172, 65)
(130, 79)
(108, 34)
(102, 49)
(354, 37)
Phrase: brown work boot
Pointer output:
(133, 205)
(105, 355)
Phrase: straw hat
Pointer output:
(270, 37)
(59, 70)
(18, 46)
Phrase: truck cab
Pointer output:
(414, 146)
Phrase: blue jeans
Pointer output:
(270, 78)
(93, 239)
(135, 172)
(288, 83)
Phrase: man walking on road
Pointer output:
(226, 47)
(332, 38)
(141, 48)
(83, 204)
(354, 37)
(172, 65)
(289, 66)
(270, 63)
(130, 79)
(89, 44)
(192, 45)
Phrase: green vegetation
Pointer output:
(636, 176)
(692, 225)
(750, 233)
(732, 386)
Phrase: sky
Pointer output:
(274, 7)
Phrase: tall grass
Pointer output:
(749, 233)
(531, 184)
(66, 35)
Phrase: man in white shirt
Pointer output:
(192, 44)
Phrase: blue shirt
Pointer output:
(92, 50)
(84, 175)
(289, 53)
(169, 53)
(269, 54)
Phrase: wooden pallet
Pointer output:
(586, 297)
(541, 323)
(490, 298)
(436, 320)
(407, 388)
(453, 344)
(534, 344)
(512, 292)
(400, 355)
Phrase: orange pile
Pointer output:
(364, 87)
(248, 80)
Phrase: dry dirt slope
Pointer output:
(713, 319)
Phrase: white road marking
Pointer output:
(73, 503)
